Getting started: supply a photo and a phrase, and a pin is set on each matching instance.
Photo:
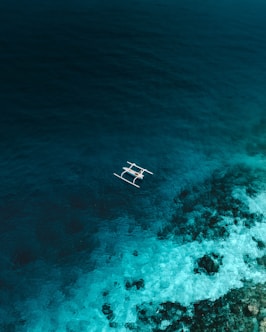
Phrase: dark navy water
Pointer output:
(176, 86)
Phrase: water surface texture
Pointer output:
(175, 86)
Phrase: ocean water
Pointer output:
(175, 86)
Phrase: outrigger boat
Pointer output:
(133, 170)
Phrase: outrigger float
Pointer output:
(134, 171)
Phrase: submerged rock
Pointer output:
(261, 245)
(262, 260)
(209, 209)
(241, 309)
(138, 284)
(107, 311)
(208, 264)
(167, 316)
(263, 325)
(253, 309)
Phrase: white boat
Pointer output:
(134, 171)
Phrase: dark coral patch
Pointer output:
(107, 311)
(209, 209)
(138, 284)
(208, 264)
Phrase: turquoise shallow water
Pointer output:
(178, 87)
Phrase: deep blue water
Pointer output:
(177, 86)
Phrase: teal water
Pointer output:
(177, 87)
